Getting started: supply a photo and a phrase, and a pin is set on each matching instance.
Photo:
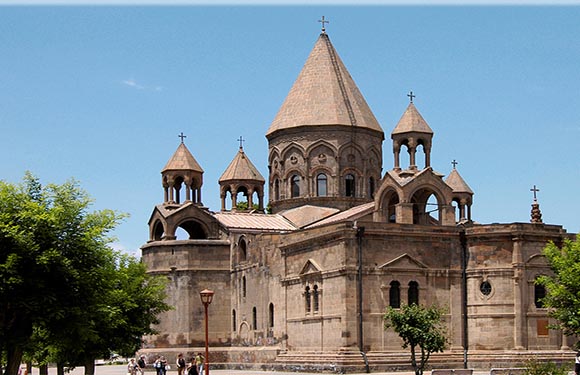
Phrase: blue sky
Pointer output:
(100, 93)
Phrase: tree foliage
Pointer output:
(66, 295)
(419, 327)
(563, 288)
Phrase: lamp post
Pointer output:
(206, 298)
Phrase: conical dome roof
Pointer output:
(182, 159)
(324, 94)
(457, 183)
(241, 168)
(412, 121)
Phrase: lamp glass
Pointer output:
(206, 296)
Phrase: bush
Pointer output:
(536, 367)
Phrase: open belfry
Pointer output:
(302, 279)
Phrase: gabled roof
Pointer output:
(249, 221)
(412, 121)
(457, 183)
(182, 159)
(304, 215)
(353, 213)
(241, 168)
(324, 94)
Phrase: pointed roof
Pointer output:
(182, 159)
(412, 121)
(457, 183)
(241, 168)
(324, 94)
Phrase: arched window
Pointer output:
(349, 182)
(244, 286)
(276, 189)
(395, 295)
(234, 321)
(295, 186)
(307, 299)
(321, 185)
(371, 187)
(413, 293)
(254, 318)
(315, 298)
(242, 249)
(271, 315)
(539, 293)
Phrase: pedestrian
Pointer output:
(132, 367)
(577, 363)
(192, 367)
(199, 361)
(163, 366)
(141, 363)
(180, 362)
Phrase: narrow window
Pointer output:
(539, 294)
(395, 295)
(242, 247)
(321, 181)
(234, 322)
(295, 186)
(254, 318)
(276, 189)
(371, 187)
(307, 299)
(271, 315)
(349, 185)
(413, 293)
(244, 286)
(315, 298)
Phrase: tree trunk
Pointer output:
(60, 369)
(14, 357)
(90, 367)
(43, 369)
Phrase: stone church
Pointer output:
(302, 277)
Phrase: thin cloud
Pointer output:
(134, 84)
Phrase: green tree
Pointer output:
(563, 288)
(61, 285)
(419, 327)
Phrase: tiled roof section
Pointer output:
(182, 159)
(273, 222)
(241, 168)
(412, 121)
(348, 215)
(457, 183)
(324, 94)
(304, 215)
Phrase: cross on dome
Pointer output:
(454, 163)
(411, 96)
(535, 190)
(323, 21)
(241, 140)
(182, 136)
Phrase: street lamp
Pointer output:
(206, 298)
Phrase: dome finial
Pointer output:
(241, 140)
(411, 96)
(323, 21)
(454, 163)
(536, 213)
(182, 136)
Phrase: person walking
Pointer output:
(192, 367)
(180, 362)
(132, 367)
(141, 363)
(199, 361)
(577, 363)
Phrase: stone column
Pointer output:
(520, 285)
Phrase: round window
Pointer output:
(485, 288)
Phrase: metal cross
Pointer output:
(411, 96)
(241, 140)
(454, 163)
(323, 21)
(535, 190)
(181, 135)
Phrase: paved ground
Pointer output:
(122, 370)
